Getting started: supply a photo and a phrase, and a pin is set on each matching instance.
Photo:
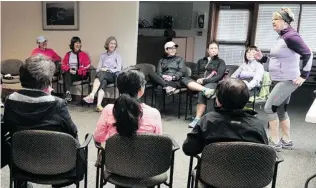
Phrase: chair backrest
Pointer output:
(146, 68)
(11, 66)
(44, 152)
(138, 157)
(192, 66)
(237, 164)
(188, 72)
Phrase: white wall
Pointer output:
(148, 10)
(22, 22)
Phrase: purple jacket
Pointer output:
(284, 60)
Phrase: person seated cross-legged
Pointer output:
(170, 70)
(214, 70)
(110, 65)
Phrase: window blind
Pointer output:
(265, 35)
(307, 25)
(232, 54)
(232, 25)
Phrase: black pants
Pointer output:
(70, 78)
(156, 79)
(105, 78)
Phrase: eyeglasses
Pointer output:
(173, 48)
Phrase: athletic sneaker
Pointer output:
(208, 92)
(68, 96)
(170, 90)
(277, 146)
(89, 99)
(193, 123)
(99, 108)
(287, 145)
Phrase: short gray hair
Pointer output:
(107, 42)
(37, 72)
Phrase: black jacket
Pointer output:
(224, 126)
(33, 109)
(205, 68)
(173, 66)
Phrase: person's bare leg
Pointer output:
(100, 97)
(274, 130)
(200, 109)
(285, 127)
(96, 85)
(195, 86)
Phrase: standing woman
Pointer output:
(75, 66)
(110, 65)
(284, 68)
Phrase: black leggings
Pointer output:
(105, 78)
(156, 79)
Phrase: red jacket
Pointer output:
(47, 52)
(84, 63)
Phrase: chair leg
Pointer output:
(164, 100)
(308, 180)
(179, 105)
(153, 97)
(77, 184)
(97, 178)
(190, 105)
(186, 106)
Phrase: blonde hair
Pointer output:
(277, 15)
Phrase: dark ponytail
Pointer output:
(127, 112)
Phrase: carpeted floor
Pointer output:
(298, 164)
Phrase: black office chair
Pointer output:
(48, 157)
(140, 161)
(235, 164)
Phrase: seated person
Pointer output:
(41, 41)
(110, 65)
(229, 122)
(251, 71)
(170, 70)
(33, 107)
(75, 66)
(210, 70)
(127, 116)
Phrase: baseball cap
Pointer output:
(40, 39)
(170, 44)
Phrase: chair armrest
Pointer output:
(88, 138)
(279, 158)
(98, 145)
(174, 143)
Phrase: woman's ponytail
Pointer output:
(127, 112)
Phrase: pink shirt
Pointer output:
(149, 123)
(47, 52)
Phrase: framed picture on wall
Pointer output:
(60, 15)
